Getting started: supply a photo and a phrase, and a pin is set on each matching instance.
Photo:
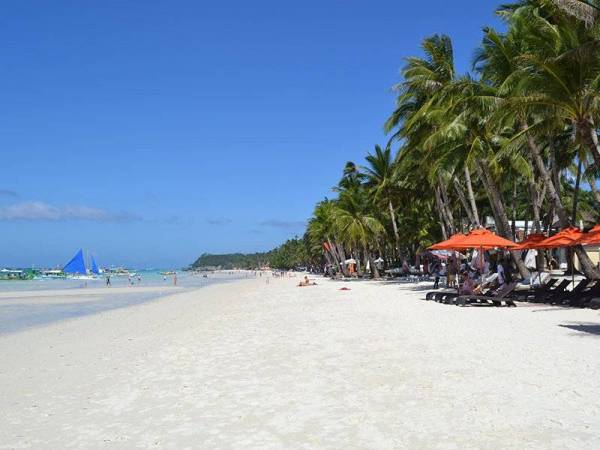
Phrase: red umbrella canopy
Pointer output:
(567, 237)
(592, 237)
(530, 242)
(448, 244)
(482, 238)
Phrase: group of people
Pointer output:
(483, 272)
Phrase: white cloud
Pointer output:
(43, 211)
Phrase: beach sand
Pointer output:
(255, 365)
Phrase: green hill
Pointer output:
(289, 255)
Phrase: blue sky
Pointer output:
(151, 132)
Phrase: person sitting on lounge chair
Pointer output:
(468, 286)
(306, 282)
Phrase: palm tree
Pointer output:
(323, 235)
(357, 227)
(380, 176)
(557, 75)
(584, 10)
(545, 91)
(417, 111)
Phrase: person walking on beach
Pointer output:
(435, 268)
(108, 280)
(175, 279)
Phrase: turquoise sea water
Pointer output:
(18, 313)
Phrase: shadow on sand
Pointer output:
(590, 328)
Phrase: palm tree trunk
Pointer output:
(594, 188)
(501, 219)
(441, 212)
(513, 225)
(588, 133)
(446, 203)
(536, 206)
(576, 192)
(463, 201)
(372, 267)
(342, 256)
(394, 225)
(472, 197)
(586, 263)
(333, 252)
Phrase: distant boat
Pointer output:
(16, 274)
(52, 274)
(94, 269)
(77, 268)
(120, 272)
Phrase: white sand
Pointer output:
(251, 365)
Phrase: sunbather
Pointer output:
(306, 282)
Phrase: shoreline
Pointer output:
(248, 364)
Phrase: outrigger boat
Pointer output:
(78, 270)
(120, 272)
(52, 274)
(15, 274)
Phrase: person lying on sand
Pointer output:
(306, 282)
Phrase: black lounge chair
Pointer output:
(543, 295)
(594, 303)
(585, 297)
(560, 298)
(431, 295)
(450, 299)
(529, 294)
(502, 294)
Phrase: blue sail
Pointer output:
(94, 266)
(76, 265)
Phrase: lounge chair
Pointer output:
(529, 294)
(584, 298)
(432, 295)
(559, 298)
(450, 298)
(502, 294)
(594, 303)
(543, 295)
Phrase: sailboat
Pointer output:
(77, 268)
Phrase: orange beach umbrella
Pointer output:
(592, 237)
(448, 244)
(530, 242)
(567, 237)
(484, 239)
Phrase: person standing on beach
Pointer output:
(175, 279)
(108, 280)
(452, 271)
(435, 268)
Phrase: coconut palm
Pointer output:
(380, 179)
(358, 228)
